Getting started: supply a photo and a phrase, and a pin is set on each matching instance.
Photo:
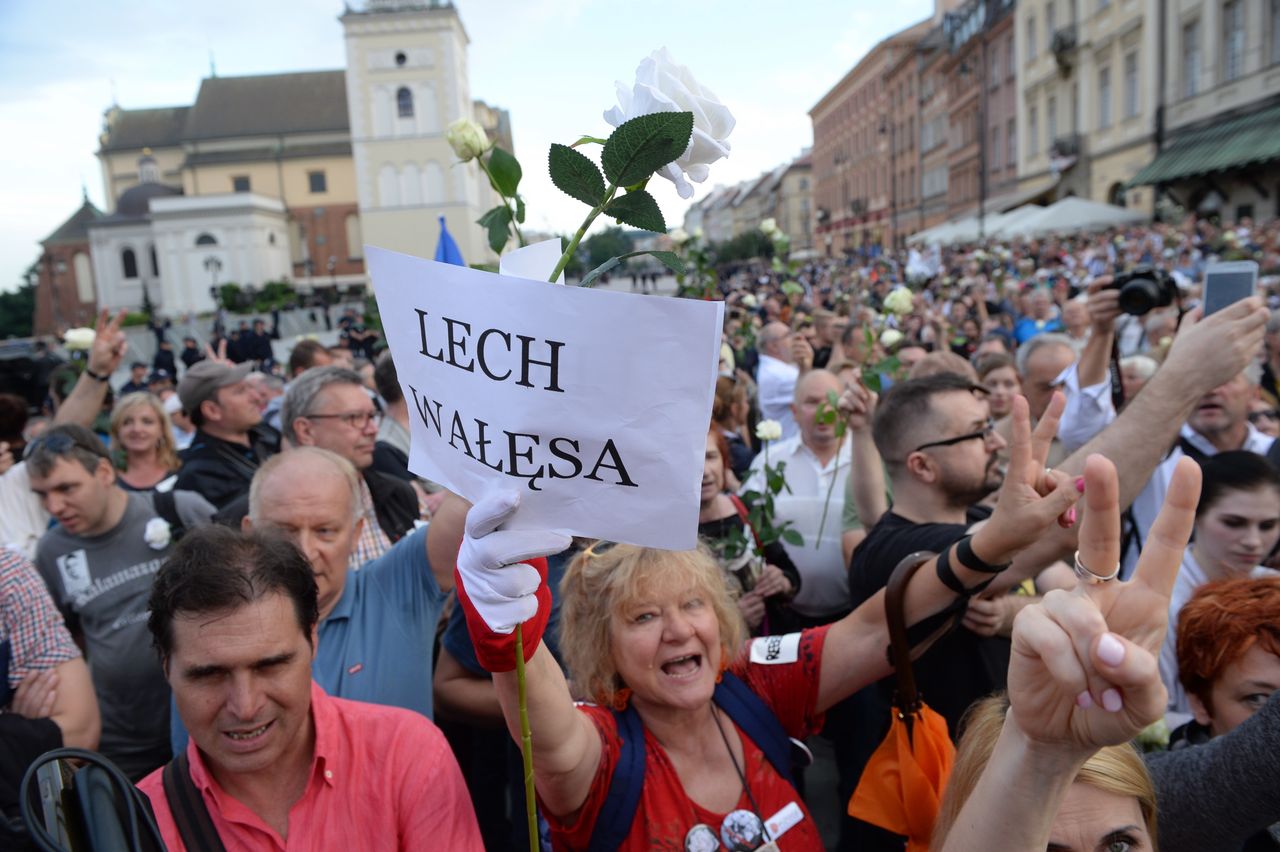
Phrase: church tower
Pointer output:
(406, 82)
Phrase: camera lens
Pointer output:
(1140, 295)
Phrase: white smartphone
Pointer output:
(1227, 283)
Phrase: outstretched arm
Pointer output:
(84, 403)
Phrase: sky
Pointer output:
(551, 63)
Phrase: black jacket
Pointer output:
(221, 471)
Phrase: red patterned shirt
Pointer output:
(31, 624)
(788, 683)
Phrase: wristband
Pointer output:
(496, 652)
(95, 376)
(948, 577)
(964, 552)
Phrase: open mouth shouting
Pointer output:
(686, 667)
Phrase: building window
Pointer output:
(1191, 59)
(994, 61)
(1131, 85)
(401, 59)
(404, 102)
(206, 240)
(155, 263)
(1102, 4)
(1031, 37)
(240, 183)
(129, 261)
(994, 159)
(1009, 70)
(1104, 98)
(1232, 39)
(317, 182)
(1050, 20)
(1051, 120)
(1011, 145)
(1033, 132)
(1275, 32)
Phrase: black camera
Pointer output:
(1143, 289)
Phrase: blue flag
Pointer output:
(447, 249)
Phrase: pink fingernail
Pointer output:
(1071, 516)
(1084, 700)
(1110, 650)
(1111, 701)
(1080, 484)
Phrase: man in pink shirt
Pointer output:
(274, 762)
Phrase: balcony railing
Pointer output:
(1063, 46)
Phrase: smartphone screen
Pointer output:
(1227, 283)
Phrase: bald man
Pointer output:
(776, 376)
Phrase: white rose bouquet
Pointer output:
(666, 124)
(78, 339)
(900, 301)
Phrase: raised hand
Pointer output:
(219, 356)
(1032, 498)
(857, 404)
(1083, 672)
(109, 343)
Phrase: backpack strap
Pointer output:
(746, 517)
(613, 823)
(166, 506)
(749, 712)
(744, 708)
(190, 815)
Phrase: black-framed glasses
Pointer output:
(354, 419)
(1264, 414)
(984, 433)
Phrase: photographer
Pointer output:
(1219, 421)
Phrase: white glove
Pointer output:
(502, 588)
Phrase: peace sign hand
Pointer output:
(1032, 498)
(1083, 672)
(109, 343)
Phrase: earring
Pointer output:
(621, 699)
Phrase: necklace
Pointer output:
(741, 775)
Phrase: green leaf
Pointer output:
(638, 209)
(792, 538)
(575, 175)
(646, 143)
(588, 140)
(498, 221)
(590, 277)
(666, 258)
(505, 170)
(520, 209)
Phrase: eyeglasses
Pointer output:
(984, 433)
(599, 547)
(1264, 414)
(354, 419)
(60, 444)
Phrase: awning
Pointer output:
(1231, 144)
(1030, 191)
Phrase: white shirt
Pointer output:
(1089, 411)
(777, 388)
(824, 587)
(22, 517)
(1190, 577)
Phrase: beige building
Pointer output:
(1087, 85)
(1220, 143)
(783, 194)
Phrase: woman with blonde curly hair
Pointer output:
(685, 742)
(142, 441)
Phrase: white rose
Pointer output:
(663, 86)
(900, 301)
(679, 237)
(769, 227)
(157, 534)
(467, 139)
(769, 430)
(890, 338)
(77, 339)
(750, 301)
(697, 234)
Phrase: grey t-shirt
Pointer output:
(101, 584)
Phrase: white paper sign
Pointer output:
(594, 405)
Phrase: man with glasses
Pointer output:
(99, 562)
(231, 441)
(329, 407)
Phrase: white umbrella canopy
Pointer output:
(1068, 215)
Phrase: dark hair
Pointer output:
(303, 356)
(907, 405)
(989, 362)
(384, 379)
(69, 441)
(1234, 470)
(13, 419)
(215, 568)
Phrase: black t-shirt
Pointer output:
(959, 668)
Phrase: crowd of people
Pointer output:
(223, 577)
